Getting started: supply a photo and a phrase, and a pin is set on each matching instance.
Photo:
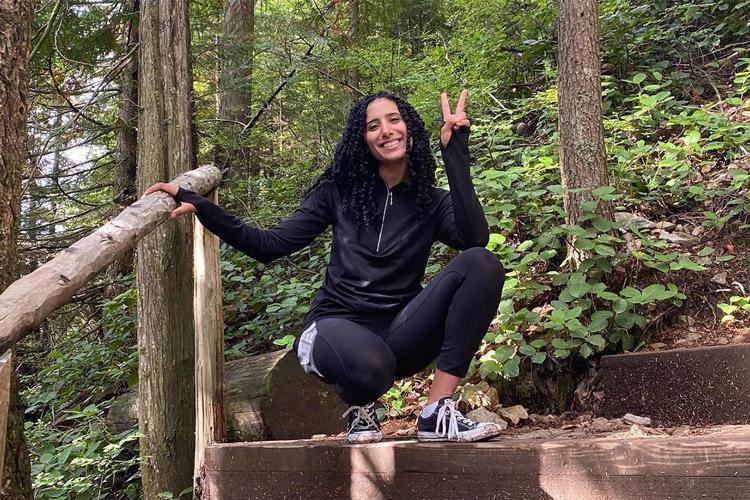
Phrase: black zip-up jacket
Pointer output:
(375, 271)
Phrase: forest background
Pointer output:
(272, 83)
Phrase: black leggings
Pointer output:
(447, 320)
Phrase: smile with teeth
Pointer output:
(392, 144)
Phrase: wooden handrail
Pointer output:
(28, 301)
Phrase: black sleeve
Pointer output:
(461, 222)
(297, 231)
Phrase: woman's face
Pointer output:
(385, 131)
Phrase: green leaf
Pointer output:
(562, 353)
(526, 349)
(603, 190)
(583, 244)
(609, 296)
(511, 369)
(625, 320)
(688, 264)
(620, 306)
(504, 353)
(538, 343)
(596, 340)
(598, 324)
(573, 313)
(579, 289)
(585, 351)
(604, 250)
(538, 358)
(559, 343)
(637, 79)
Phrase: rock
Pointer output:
(409, 431)
(627, 219)
(264, 394)
(664, 225)
(722, 341)
(602, 424)
(637, 431)
(678, 238)
(683, 430)
(482, 414)
(542, 419)
(514, 413)
(720, 278)
(680, 341)
(738, 339)
(692, 335)
(658, 345)
(635, 419)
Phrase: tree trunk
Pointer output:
(126, 152)
(582, 154)
(165, 283)
(235, 84)
(353, 76)
(15, 30)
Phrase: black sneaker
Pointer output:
(363, 424)
(448, 424)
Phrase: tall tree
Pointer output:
(582, 154)
(127, 119)
(165, 284)
(235, 83)
(15, 29)
(353, 35)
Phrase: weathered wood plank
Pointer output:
(415, 485)
(6, 365)
(697, 386)
(210, 425)
(711, 455)
(29, 300)
(713, 466)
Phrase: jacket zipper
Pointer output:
(388, 201)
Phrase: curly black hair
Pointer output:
(355, 171)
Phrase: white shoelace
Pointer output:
(448, 412)
(362, 416)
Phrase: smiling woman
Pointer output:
(372, 323)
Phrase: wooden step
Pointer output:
(708, 466)
(697, 386)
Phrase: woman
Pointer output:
(372, 323)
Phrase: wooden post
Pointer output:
(210, 425)
(6, 365)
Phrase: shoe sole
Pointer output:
(364, 437)
(487, 432)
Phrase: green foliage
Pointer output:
(737, 304)
(73, 453)
(675, 87)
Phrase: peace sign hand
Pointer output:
(453, 121)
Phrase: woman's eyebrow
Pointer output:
(386, 116)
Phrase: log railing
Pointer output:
(31, 299)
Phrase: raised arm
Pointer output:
(462, 223)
